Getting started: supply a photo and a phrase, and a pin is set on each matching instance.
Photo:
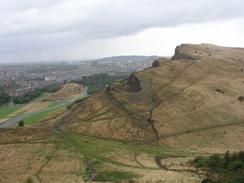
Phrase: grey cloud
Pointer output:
(104, 18)
(41, 24)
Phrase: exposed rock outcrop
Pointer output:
(133, 84)
(156, 63)
(180, 53)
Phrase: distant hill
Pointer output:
(126, 58)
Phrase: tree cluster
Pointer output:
(36, 93)
(229, 167)
(97, 82)
(4, 97)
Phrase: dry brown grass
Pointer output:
(26, 134)
(37, 154)
(41, 162)
(3, 120)
(32, 107)
(191, 103)
(188, 111)
(66, 92)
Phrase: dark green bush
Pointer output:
(29, 180)
(241, 156)
(70, 106)
(207, 181)
(52, 88)
(236, 165)
(229, 168)
(97, 82)
(219, 91)
(241, 98)
(214, 161)
(200, 161)
(21, 123)
(227, 159)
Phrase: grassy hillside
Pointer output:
(148, 128)
(189, 101)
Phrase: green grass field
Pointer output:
(89, 144)
(114, 176)
(95, 152)
(54, 106)
(6, 110)
(55, 103)
(41, 97)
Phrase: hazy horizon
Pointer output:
(53, 30)
(76, 60)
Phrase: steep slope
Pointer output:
(192, 100)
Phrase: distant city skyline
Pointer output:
(53, 30)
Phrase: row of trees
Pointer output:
(5, 98)
(27, 97)
(97, 82)
(36, 93)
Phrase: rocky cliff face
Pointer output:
(180, 53)
(175, 103)
(156, 63)
(133, 84)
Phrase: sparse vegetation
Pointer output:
(114, 176)
(219, 91)
(75, 102)
(199, 162)
(70, 106)
(29, 180)
(89, 173)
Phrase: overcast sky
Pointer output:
(36, 30)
